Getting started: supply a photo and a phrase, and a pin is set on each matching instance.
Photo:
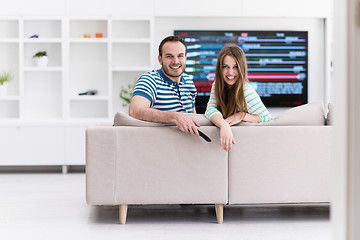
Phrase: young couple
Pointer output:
(163, 95)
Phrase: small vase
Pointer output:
(41, 62)
(3, 90)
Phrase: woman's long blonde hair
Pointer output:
(231, 99)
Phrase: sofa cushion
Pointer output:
(307, 114)
(329, 120)
(123, 119)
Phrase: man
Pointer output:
(163, 95)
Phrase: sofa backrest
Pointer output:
(311, 114)
(304, 115)
(123, 119)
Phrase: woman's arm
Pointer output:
(251, 118)
(241, 116)
(226, 136)
(256, 110)
(215, 116)
(211, 107)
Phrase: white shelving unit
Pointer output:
(131, 47)
(45, 100)
(41, 88)
(88, 68)
(9, 48)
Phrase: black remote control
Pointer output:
(204, 136)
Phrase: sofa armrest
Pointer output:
(100, 165)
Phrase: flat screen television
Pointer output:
(277, 63)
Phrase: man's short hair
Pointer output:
(171, 39)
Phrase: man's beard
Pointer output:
(167, 70)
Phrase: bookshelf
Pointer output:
(43, 100)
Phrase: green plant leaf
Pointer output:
(5, 77)
(126, 94)
(40, 54)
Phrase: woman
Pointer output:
(232, 98)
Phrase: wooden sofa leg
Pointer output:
(219, 210)
(123, 213)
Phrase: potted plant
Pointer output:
(4, 78)
(126, 94)
(41, 59)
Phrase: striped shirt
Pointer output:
(254, 104)
(165, 94)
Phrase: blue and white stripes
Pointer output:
(254, 104)
(166, 95)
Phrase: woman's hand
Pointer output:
(235, 118)
(226, 137)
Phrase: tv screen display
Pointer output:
(277, 63)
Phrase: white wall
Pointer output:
(245, 8)
(76, 7)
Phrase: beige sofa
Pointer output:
(139, 162)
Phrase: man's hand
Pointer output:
(140, 109)
(186, 124)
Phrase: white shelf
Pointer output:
(9, 28)
(131, 54)
(46, 99)
(131, 28)
(55, 122)
(131, 40)
(10, 98)
(47, 69)
(80, 27)
(42, 40)
(89, 98)
(54, 52)
(88, 40)
(131, 69)
(9, 40)
(44, 28)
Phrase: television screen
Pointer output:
(277, 63)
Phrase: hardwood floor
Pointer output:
(53, 206)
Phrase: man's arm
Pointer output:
(140, 109)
